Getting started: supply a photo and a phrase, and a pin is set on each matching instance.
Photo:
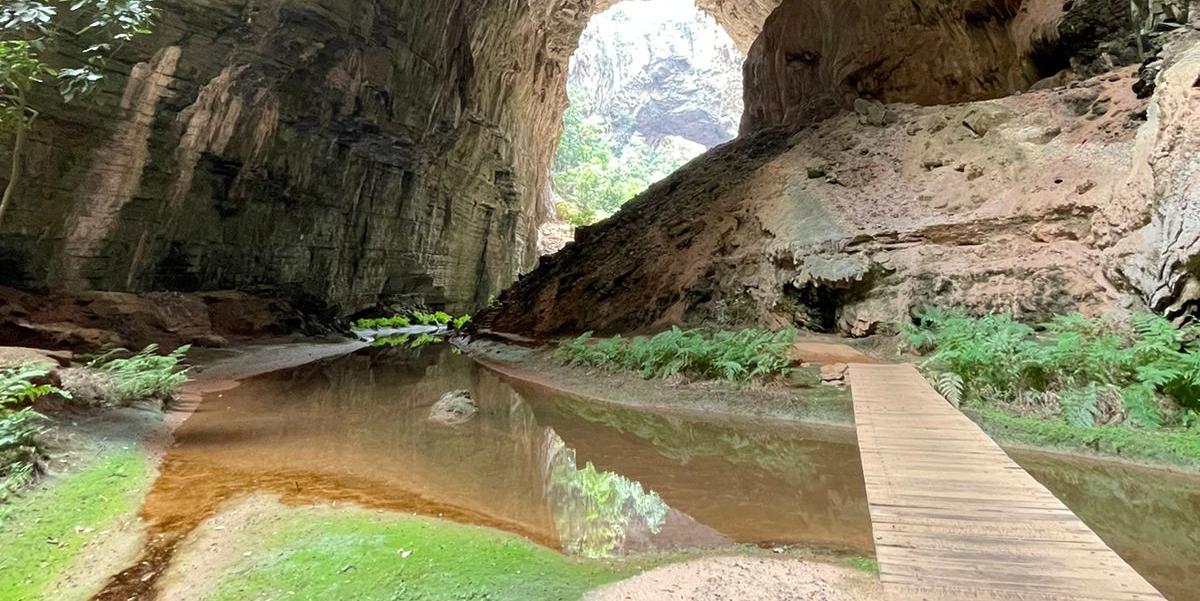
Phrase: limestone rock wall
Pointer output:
(659, 69)
(815, 57)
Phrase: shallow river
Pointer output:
(589, 479)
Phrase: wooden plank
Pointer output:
(955, 518)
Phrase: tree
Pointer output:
(34, 28)
(594, 174)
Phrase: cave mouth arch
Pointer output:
(651, 85)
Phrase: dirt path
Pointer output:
(744, 579)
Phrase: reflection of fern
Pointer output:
(950, 385)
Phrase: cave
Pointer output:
(895, 299)
(377, 150)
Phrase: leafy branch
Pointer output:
(34, 28)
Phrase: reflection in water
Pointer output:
(596, 511)
(587, 478)
(1151, 518)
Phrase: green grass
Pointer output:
(866, 564)
(735, 356)
(353, 554)
(42, 533)
(1174, 447)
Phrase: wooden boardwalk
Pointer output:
(955, 518)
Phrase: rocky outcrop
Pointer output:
(348, 150)
(1073, 198)
(659, 69)
(91, 321)
(454, 408)
(1162, 257)
(816, 57)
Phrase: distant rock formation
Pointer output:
(659, 69)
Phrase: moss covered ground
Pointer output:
(321, 553)
(43, 532)
(1174, 447)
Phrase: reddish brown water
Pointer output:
(356, 429)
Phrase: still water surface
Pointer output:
(586, 478)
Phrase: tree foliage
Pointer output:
(595, 172)
(35, 29)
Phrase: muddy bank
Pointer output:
(810, 402)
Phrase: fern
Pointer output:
(145, 375)
(950, 386)
(737, 356)
(1141, 405)
(1080, 406)
(21, 447)
(999, 360)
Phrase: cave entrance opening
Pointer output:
(652, 85)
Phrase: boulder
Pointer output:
(454, 408)
(834, 373)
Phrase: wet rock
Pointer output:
(454, 408)
(834, 373)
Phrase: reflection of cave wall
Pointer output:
(345, 149)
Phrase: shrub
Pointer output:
(1088, 370)
(21, 446)
(437, 318)
(736, 356)
(145, 375)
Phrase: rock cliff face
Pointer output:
(1076, 197)
(356, 149)
(345, 149)
(659, 69)
(815, 57)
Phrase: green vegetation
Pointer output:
(437, 318)
(355, 554)
(43, 532)
(595, 172)
(143, 376)
(21, 446)
(1086, 373)
(1175, 446)
(595, 507)
(36, 29)
(407, 341)
(866, 564)
(736, 356)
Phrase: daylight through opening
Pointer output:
(653, 84)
